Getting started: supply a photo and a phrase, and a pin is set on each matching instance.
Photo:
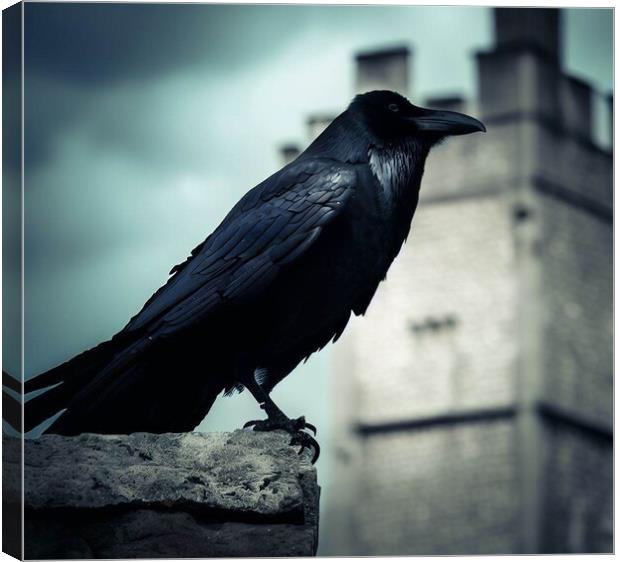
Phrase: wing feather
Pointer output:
(271, 227)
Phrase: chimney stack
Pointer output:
(383, 69)
(533, 28)
(521, 75)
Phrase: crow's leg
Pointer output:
(277, 419)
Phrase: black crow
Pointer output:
(276, 281)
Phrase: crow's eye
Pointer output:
(393, 107)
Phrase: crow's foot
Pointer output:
(306, 441)
(295, 428)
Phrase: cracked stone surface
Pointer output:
(202, 495)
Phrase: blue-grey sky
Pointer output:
(146, 123)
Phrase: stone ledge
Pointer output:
(172, 495)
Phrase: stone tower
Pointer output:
(479, 394)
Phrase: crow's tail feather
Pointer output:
(63, 382)
(93, 359)
(121, 386)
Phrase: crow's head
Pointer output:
(389, 116)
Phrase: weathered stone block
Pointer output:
(172, 495)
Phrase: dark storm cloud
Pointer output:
(97, 43)
(74, 49)
(71, 49)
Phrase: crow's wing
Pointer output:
(271, 226)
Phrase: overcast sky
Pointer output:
(146, 123)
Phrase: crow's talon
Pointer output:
(294, 427)
(307, 442)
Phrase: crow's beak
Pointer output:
(447, 122)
